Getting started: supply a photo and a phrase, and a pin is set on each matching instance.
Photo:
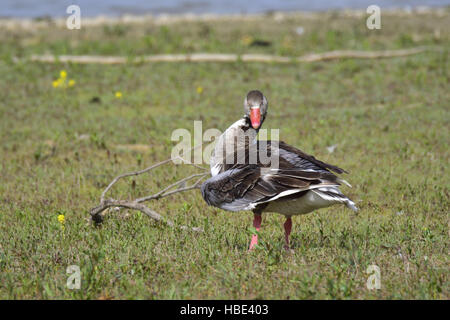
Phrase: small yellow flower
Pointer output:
(118, 94)
(63, 74)
(71, 83)
(61, 219)
(246, 40)
(55, 83)
(199, 89)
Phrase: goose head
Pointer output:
(255, 107)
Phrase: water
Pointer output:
(57, 8)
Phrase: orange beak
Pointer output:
(255, 117)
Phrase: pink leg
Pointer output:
(257, 225)
(287, 231)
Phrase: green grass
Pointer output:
(59, 150)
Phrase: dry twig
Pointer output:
(219, 57)
(137, 204)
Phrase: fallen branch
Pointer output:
(217, 57)
(137, 204)
(96, 212)
(354, 54)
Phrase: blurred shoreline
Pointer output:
(161, 19)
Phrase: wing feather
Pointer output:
(242, 186)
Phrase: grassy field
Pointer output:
(60, 147)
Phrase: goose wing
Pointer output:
(301, 160)
(244, 186)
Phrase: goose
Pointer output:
(298, 184)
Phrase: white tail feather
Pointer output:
(340, 180)
(351, 205)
